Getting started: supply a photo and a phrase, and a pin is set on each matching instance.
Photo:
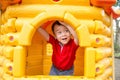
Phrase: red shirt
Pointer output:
(63, 59)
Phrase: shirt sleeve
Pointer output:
(74, 44)
(51, 39)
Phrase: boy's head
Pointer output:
(61, 32)
(53, 25)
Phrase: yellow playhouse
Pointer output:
(25, 55)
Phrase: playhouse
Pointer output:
(25, 55)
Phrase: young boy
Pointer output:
(64, 48)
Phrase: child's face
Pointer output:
(62, 34)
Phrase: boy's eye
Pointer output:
(66, 30)
(59, 32)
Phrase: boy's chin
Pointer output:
(64, 43)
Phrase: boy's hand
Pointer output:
(63, 23)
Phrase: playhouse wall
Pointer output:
(25, 54)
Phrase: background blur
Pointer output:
(116, 28)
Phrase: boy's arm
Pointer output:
(71, 31)
(43, 33)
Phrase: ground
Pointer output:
(117, 69)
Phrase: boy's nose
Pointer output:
(63, 33)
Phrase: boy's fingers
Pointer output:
(62, 22)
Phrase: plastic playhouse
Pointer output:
(25, 55)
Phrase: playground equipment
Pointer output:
(25, 55)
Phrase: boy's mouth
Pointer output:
(64, 38)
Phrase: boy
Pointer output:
(64, 48)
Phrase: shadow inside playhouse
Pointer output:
(38, 61)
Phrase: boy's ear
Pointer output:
(71, 35)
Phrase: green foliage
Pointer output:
(117, 3)
(116, 48)
(117, 55)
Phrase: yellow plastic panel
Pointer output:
(1, 49)
(39, 19)
(69, 18)
(80, 12)
(1, 72)
(102, 65)
(79, 62)
(55, 12)
(2, 59)
(8, 52)
(26, 34)
(47, 63)
(4, 18)
(103, 52)
(26, 79)
(34, 65)
(62, 2)
(83, 36)
(12, 39)
(34, 70)
(35, 50)
(89, 23)
(39, 77)
(100, 40)
(10, 25)
(21, 11)
(7, 77)
(107, 73)
(2, 29)
(34, 59)
(0, 18)
(102, 29)
(49, 49)
(19, 63)
(8, 67)
(20, 22)
(89, 62)
(2, 39)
